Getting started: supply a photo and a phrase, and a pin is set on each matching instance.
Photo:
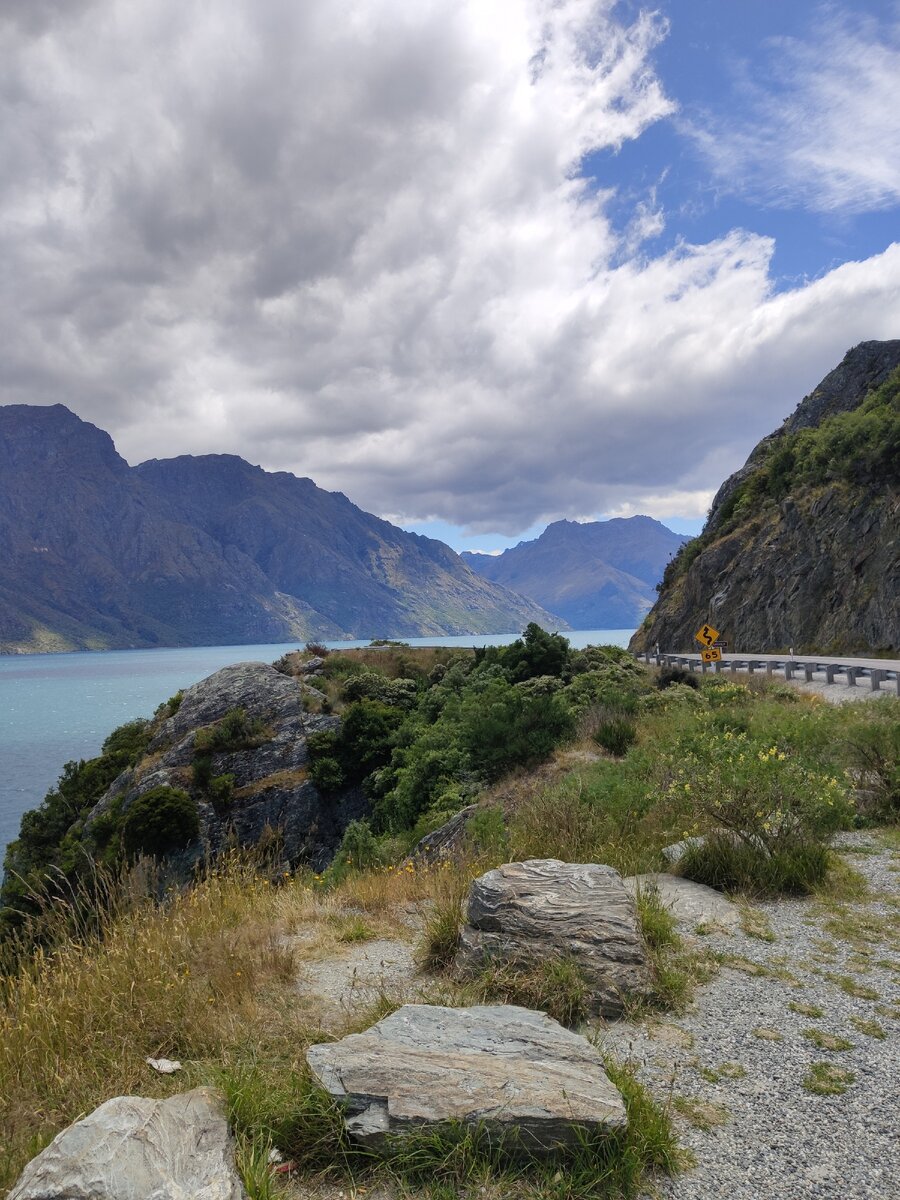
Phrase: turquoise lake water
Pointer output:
(58, 707)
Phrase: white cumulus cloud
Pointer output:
(352, 241)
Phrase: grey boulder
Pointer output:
(524, 913)
(691, 904)
(131, 1148)
(516, 1076)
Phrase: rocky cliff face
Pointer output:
(594, 574)
(95, 554)
(271, 802)
(802, 545)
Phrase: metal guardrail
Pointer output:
(852, 672)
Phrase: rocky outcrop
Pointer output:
(524, 913)
(815, 567)
(207, 551)
(513, 1075)
(272, 802)
(131, 1148)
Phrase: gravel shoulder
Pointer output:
(734, 1066)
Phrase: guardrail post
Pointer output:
(829, 672)
(788, 671)
(751, 667)
(659, 660)
(734, 666)
(897, 682)
(851, 676)
(770, 667)
(703, 666)
(719, 667)
(808, 672)
(875, 678)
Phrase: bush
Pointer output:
(235, 731)
(767, 815)
(160, 821)
(358, 850)
(670, 675)
(874, 751)
(326, 774)
(221, 790)
(615, 735)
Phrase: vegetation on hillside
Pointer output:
(857, 449)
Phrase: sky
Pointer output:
(479, 264)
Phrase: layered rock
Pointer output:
(524, 913)
(131, 1148)
(513, 1075)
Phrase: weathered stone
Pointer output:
(524, 913)
(446, 842)
(131, 1148)
(690, 903)
(272, 800)
(517, 1076)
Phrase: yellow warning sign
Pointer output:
(706, 635)
(711, 654)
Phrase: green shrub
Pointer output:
(327, 774)
(358, 850)
(160, 821)
(221, 790)
(873, 747)
(669, 675)
(370, 685)
(235, 731)
(767, 815)
(615, 735)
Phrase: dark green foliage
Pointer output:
(615, 734)
(46, 839)
(326, 774)
(201, 772)
(160, 821)
(670, 675)
(502, 728)
(357, 851)
(235, 731)
(220, 791)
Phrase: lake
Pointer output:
(58, 707)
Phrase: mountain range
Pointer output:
(594, 574)
(802, 545)
(208, 550)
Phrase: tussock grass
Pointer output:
(181, 980)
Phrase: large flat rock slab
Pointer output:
(516, 1076)
(131, 1148)
(691, 904)
(524, 913)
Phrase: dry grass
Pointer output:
(277, 779)
(179, 981)
(209, 977)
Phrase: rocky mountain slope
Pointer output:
(596, 575)
(802, 545)
(95, 554)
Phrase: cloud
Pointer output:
(818, 126)
(353, 242)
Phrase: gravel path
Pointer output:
(737, 1061)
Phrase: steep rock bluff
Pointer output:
(802, 545)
